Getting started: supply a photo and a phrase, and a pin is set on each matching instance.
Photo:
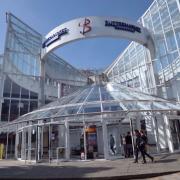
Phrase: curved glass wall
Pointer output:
(97, 99)
(159, 76)
(80, 125)
(21, 70)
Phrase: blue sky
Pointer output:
(44, 15)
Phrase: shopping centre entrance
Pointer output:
(93, 121)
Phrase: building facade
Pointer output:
(134, 66)
(20, 72)
(109, 107)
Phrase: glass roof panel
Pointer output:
(105, 95)
(144, 105)
(130, 105)
(91, 108)
(81, 97)
(115, 97)
(172, 106)
(69, 110)
(112, 107)
(160, 105)
(94, 95)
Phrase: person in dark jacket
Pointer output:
(139, 146)
(144, 148)
(128, 145)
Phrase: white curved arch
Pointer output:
(93, 26)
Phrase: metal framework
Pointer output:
(110, 107)
(159, 76)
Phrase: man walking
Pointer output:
(128, 145)
(139, 147)
(144, 144)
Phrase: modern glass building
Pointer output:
(140, 93)
(20, 72)
(160, 76)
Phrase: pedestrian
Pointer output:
(140, 146)
(112, 143)
(128, 140)
(144, 144)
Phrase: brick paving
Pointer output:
(97, 169)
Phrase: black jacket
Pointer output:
(140, 142)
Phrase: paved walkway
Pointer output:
(175, 176)
(98, 169)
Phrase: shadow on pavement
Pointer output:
(165, 160)
(48, 172)
(168, 155)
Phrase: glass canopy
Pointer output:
(101, 98)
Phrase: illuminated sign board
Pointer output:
(123, 26)
(54, 37)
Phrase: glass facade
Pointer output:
(20, 77)
(106, 108)
(23, 45)
(94, 100)
(159, 76)
(110, 107)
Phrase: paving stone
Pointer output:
(91, 169)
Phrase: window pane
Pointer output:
(5, 110)
(15, 90)
(171, 41)
(14, 109)
(24, 93)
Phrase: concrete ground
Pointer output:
(175, 176)
(97, 169)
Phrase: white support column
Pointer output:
(23, 144)
(59, 90)
(105, 139)
(42, 138)
(165, 133)
(49, 143)
(7, 144)
(85, 144)
(168, 133)
(16, 144)
(119, 136)
(59, 135)
(156, 134)
(133, 143)
(67, 143)
(38, 143)
(29, 142)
